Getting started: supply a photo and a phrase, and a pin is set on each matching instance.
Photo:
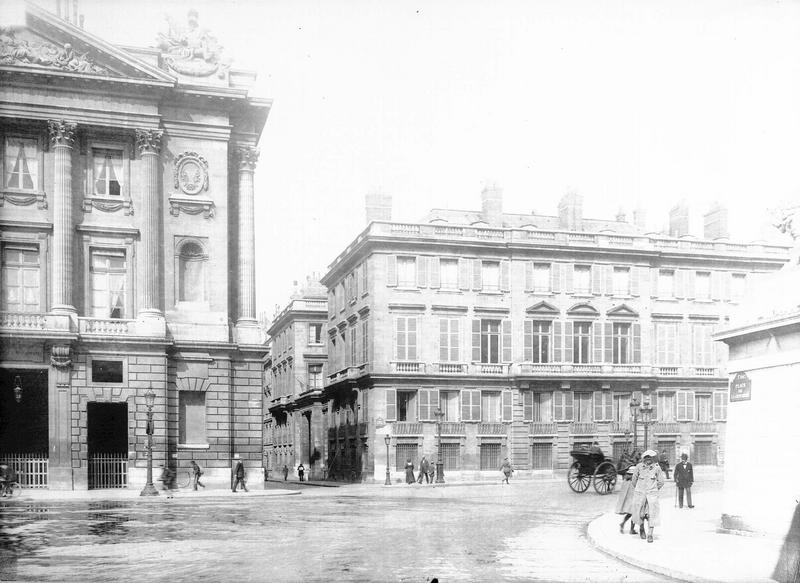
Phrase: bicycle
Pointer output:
(184, 479)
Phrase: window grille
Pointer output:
(490, 456)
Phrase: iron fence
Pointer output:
(31, 469)
(108, 470)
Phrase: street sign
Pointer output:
(740, 387)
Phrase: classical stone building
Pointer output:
(295, 371)
(127, 243)
(531, 335)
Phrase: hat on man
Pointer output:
(236, 456)
(684, 456)
(649, 453)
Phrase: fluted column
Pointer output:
(62, 138)
(148, 144)
(247, 158)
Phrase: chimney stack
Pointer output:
(715, 222)
(679, 220)
(570, 212)
(492, 205)
(378, 207)
(640, 218)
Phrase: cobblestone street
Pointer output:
(525, 531)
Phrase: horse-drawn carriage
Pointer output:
(592, 468)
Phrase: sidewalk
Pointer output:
(687, 545)
(44, 495)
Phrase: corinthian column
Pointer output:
(247, 157)
(62, 137)
(148, 144)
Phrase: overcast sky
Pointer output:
(427, 101)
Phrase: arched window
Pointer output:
(192, 273)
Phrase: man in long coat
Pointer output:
(647, 480)
(684, 478)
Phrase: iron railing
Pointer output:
(31, 469)
(108, 470)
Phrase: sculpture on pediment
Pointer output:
(192, 50)
(14, 51)
(784, 218)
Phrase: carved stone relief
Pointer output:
(15, 51)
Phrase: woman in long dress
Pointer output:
(625, 502)
(647, 480)
(409, 471)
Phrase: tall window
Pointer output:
(406, 405)
(191, 417)
(622, 281)
(20, 278)
(448, 340)
(562, 405)
(666, 343)
(720, 406)
(407, 272)
(665, 404)
(428, 402)
(621, 343)
(738, 286)
(314, 376)
(666, 283)
(470, 405)
(448, 273)
(192, 273)
(108, 274)
(541, 277)
(685, 405)
(537, 407)
(583, 279)
(537, 341)
(449, 403)
(581, 342)
(107, 171)
(583, 407)
(490, 407)
(406, 337)
(22, 163)
(315, 333)
(364, 342)
(490, 275)
(490, 341)
(703, 345)
(621, 407)
(353, 345)
(702, 285)
(603, 406)
(702, 406)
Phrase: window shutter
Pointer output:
(465, 402)
(681, 399)
(688, 278)
(398, 323)
(505, 275)
(476, 341)
(477, 274)
(608, 343)
(716, 285)
(597, 342)
(596, 273)
(506, 339)
(435, 272)
(463, 274)
(725, 286)
(364, 277)
(598, 406)
(609, 280)
(636, 273)
(527, 405)
(555, 277)
(568, 342)
(528, 276)
(637, 343)
(679, 283)
(568, 408)
(558, 405)
(654, 282)
(558, 353)
(391, 405)
(569, 270)
(422, 271)
(391, 270)
(413, 341)
(685, 344)
(690, 409)
(607, 411)
(527, 341)
(443, 337)
(507, 409)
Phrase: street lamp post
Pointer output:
(387, 439)
(439, 464)
(634, 413)
(149, 489)
(647, 412)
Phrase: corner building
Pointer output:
(531, 334)
(126, 237)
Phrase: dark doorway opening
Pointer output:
(24, 425)
(107, 444)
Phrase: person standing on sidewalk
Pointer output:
(625, 501)
(285, 472)
(647, 480)
(196, 473)
(409, 472)
(424, 468)
(301, 471)
(239, 474)
(507, 470)
(684, 478)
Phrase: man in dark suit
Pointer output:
(684, 478)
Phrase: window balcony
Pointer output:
(703, 427)
(621, 427)
(450, 368)
(703, 371)
(579, 368)
(583, 428)
(635, 369)
(106, 326)
(492, 429)
(22, 321)
(543, 428)
(407, 428)
(666, 427)
(407, 366)
(490, 369)
(667, 371)
(539, 368)
(452, 428)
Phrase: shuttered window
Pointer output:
(562, 405)
(490, 275)
(702, 344)
(602, 406)
(666, 283)
(448, 274)
(666, 343)
(537, 335)
(622, 281)
(685, 405)
(391, 405)
(541, 277)
(720, 406)
(470, 405)
(507, 406)
(406, 338)
(491, 407)
(449, 333)
(582, 342)
(621, 343)
(582, 279)
(702, 285)
(428, 403)
(537, 407)
(407, 272)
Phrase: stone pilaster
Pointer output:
(246, 324)
(62, 138)
(148, 145)
(60, 421)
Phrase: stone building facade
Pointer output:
(531, 335)
(127, 242)
(295, 369)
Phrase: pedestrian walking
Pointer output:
(432, 471)
(663, 462)
(507, 470)
(424, 469)
(647, 480)
(409, 471)
(167, 479)
(196, 473)
(625, 501)
(285, 472)
(301, 471)
(239, 475)
(684, 478)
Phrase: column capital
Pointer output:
(149, 141)
(247, 157)
(62, 133)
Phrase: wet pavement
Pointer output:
(527, 531)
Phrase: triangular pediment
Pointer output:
(583, 309)
(49, 44)
(623, 310)
(542, 309)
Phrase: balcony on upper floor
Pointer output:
(492, 428)
(543, 428)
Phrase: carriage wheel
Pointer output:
(605, 478)
(578, 481)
